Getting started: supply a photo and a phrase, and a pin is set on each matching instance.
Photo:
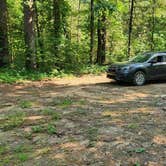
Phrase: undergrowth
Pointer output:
(9, 75)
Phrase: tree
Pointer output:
(101, 33)
(91, 30)
(153, 24)
(57, 25)
(29, 30)
(4, 53)
(103, 9)
(130, 25)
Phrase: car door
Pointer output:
(164, 67)
(157, 67)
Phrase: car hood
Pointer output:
(125, 64)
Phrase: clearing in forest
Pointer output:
(82, 121)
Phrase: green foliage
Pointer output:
(93, 69)
(51, 129)
(67, 52)
(140, 150)
(63, 102)
(25, 104)
(3, 149)
(13, 120)
(54, 115)
(22, 157)
(8, 75)
(37, 129)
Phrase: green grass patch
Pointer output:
(92, 134)
(133, 126)
(3, 149)
(25, 104)
(22, 157)
(37, 129)
(49, 129)
(54, 115)
(63, 102)
(13, 120)
(12, 75)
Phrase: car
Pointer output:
(139, 69)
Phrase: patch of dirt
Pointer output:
(83, 121)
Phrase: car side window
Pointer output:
(165, 58)
(158, 59)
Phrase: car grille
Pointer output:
(114, 69)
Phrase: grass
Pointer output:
(25, 104)
(13, 75)
(16, 119)
(92, 134)
(37, 129)
(133, 126)
(22, 157)
(54, 115)
(63, 102)
(3, 149)
(49, 129)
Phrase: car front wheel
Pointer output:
(139, 78)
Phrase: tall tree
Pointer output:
(29, 30)
(57, 24)
(4, 53)
(38, 29)
(78, 21)
(104, 9)
(91, 30)
(131, 7)
(153, 25)
(101, 33)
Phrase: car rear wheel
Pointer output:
(139, 78)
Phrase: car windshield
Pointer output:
(140, 58)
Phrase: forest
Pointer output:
(57, 107)
(77, 36)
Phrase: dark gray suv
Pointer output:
(141, 68)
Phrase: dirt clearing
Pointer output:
(82, 121)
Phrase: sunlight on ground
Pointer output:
(160, 139)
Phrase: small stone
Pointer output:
(164, 109)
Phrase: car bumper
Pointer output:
(127, 77)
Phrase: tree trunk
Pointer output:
(101, 32)
(78, 21)
(29, 30)
(91, 30)
(153, 25)
(57, 25)
(130, 26)
(4, 53)
(38, 29)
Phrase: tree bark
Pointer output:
(131, 6)
(38, 29)
(4, 53)
(29, 30)
(153, 25)
(91, 30)
(78, 21)
(57, 25)
(101, 31)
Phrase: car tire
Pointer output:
(139, 78)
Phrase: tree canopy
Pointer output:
(70, 34)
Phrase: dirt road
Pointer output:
(82, 121)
